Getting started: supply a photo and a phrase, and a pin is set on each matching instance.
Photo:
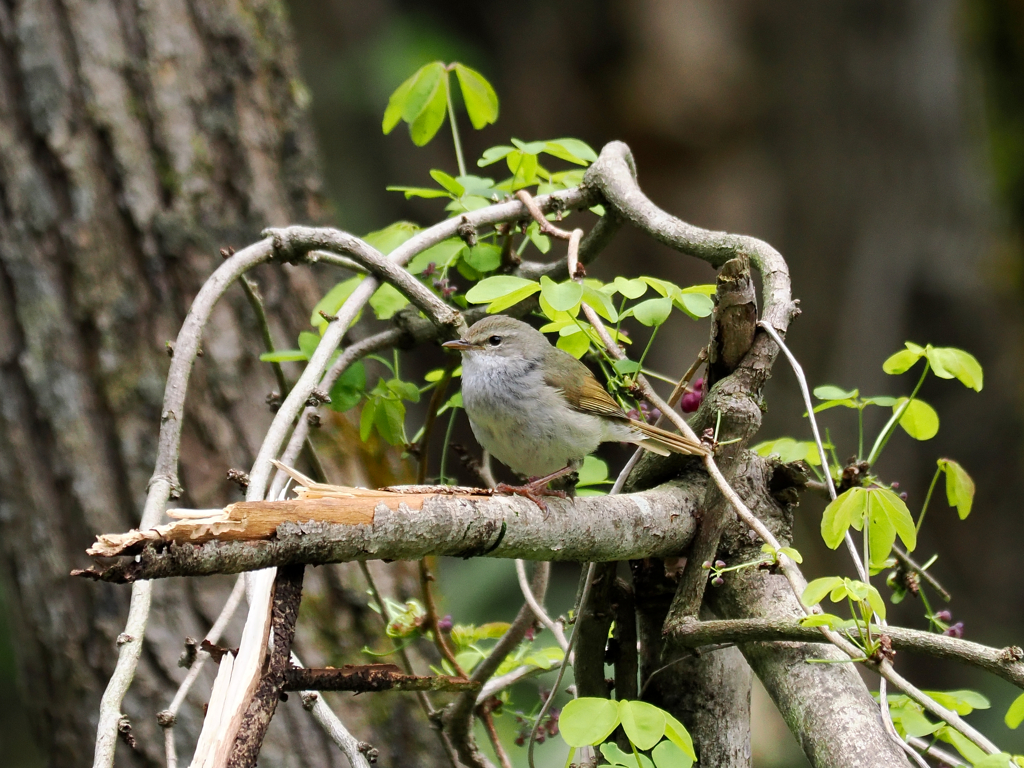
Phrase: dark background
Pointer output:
(877, 145)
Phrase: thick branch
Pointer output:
(655, 523)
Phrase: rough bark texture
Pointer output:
(136, 139)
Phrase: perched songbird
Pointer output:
(538, 409)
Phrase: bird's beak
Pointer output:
(459, 344)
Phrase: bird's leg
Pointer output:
(536, 489)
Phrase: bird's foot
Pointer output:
(534, 491)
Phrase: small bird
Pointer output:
(539, 410)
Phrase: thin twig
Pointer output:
(432, 619)
(538, 609)
(332, 725)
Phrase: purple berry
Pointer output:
(691, 402)
(943, 616)
(445, 624)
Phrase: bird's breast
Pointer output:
(522, 421)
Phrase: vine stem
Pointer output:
(890, 426)
(928, 497)
(455, 128)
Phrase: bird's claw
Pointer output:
(532, 491)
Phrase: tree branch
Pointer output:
(1007, 663)
(655, 523)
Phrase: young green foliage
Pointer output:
(588, 721)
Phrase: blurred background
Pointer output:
(878, 145)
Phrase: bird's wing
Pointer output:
(584, 392)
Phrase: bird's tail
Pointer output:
(662, 442)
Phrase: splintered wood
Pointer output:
(253, 520)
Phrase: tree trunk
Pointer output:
(137, 139)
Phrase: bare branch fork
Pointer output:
(488, 526)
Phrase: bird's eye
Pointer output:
(494, 341)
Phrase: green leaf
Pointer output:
(643, 723)
(593, 471)
(308, 343)
(963, 702)
(664, 287)
(572, 150)
(477, 185)
(438, 373)
(894, 509)
(480, 99)
(448, 182)
(386, 301)
(496, 287)
(348, 390)
(631, 289)
(499, 305)
(914, 723)
(902, 361)
(563, 297)
(429, 121)
(425, 84)
(626, 366)
(332, 301)
(615, 756)
(397, 102)
(366, 419)
(792, 554)
(668, 755)
(587, 721)
(575, 344)
(959, 486)
(389, 419)
(425, 192)
(840, 514)
(949, 363)
(1002, 760)
(455, 401)
(876, 602)
(815, 592)
(696, 305)
(653, 312)
(523, 167)
(494, 154)
(530, 147)
(676, 733)
(443, 255)
(1015, 714)
(601, 303)
(387, 239)
(483, 257)
(541, 242)
(404, 389)
(789, 450)
(885, 401)
(822, 620)
(964, 746)
(919, 420)
(830, 392)
(283, 356)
